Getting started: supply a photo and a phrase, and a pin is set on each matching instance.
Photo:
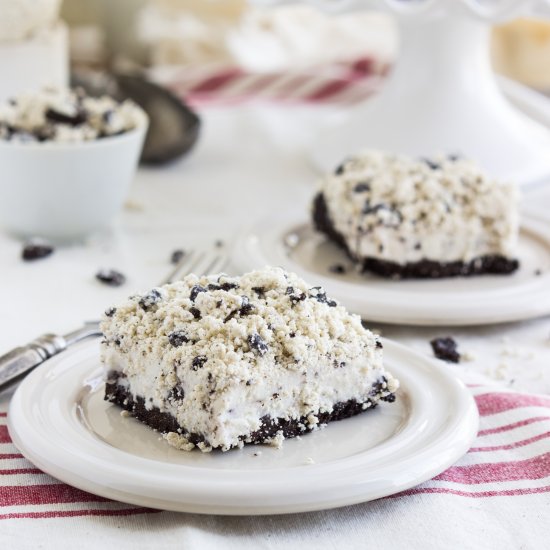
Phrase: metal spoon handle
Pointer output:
(19, 361)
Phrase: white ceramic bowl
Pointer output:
(65, 191)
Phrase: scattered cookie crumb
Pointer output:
(124, 413)
(177, 256)
(538, 272)
(110, 277)
(467, 356)
(309, 461)
(257, 453)
(445, 349)
(36, 249)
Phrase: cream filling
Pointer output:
(236, 410)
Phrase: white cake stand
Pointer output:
(442, 95)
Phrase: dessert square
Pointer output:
(401, 217)
(216, 362)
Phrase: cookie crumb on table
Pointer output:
(36, 249)
(110, 277)
(445, 349)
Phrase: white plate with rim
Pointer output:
(59, 421)
(454, 301)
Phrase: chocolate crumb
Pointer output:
(445, 349)
(362, 187)
(340, 169)
(195, 312)
(229, 286)
(538, 272)
(110, 277)
(198, 362)
(259, 290)
(379, 344)
(36, 249)
(246, 307)
(177, 393)
(149, 300)
(337, 268)
(317, 293)
(257, 344)
(433, 165)
(195, 291)
(73, 120)
(110, 312)
(177, 256)
(177, 338)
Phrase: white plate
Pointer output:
(60, 422)
(484, 299)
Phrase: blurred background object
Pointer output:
(521, 50)
(230, 49)
(221, 32)
(191, 33)
(33, 46)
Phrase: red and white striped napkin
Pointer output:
(509, 462)
(341, 83)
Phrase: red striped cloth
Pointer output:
(510, 457)
(342, 83)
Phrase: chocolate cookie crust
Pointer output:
(424, 269)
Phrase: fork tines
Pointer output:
(199, 262)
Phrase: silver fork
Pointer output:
(18, 362)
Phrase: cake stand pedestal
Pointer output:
(442, 97)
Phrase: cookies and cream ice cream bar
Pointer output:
(216, 362)
(405, 217)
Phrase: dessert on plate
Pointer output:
(66, 115)
(216, 362)
(402, 217)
